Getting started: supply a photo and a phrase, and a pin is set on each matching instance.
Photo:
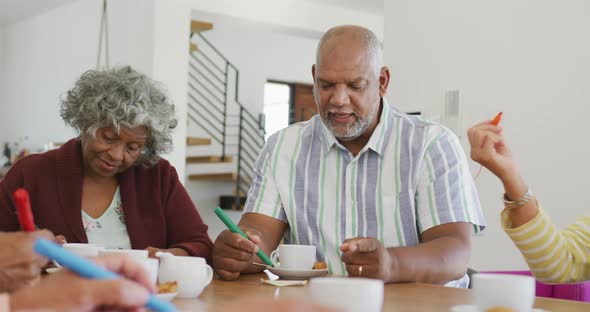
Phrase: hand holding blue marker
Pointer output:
(88, 269)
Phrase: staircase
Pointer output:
(229, 136)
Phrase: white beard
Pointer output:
(357, 129)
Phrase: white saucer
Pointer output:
(52, 270)
(297, 274)
(167, 296)
(473, 308)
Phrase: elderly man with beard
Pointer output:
(380, 193)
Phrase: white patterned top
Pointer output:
(108, 230)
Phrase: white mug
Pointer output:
(192, 274)
(140, 256)
(515, 292)
(150, 265)
(296, 257)
(84, 250)
(135, 254)
(81, 249)
(348, 294)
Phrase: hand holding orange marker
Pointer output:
(497, 119)
(495, 122)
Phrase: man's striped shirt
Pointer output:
(412, 175)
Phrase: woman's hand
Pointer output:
(20, 266)
(66, 291)
(488, 147)
(60, 239)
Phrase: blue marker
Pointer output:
(88, 269)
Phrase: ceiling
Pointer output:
(16, 10)
(369, 6)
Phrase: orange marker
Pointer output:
(497, 119)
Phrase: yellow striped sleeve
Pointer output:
(553, 256)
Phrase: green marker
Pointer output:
(235, 229)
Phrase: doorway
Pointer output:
(303, 105)
(287, 103)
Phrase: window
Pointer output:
(276, 106)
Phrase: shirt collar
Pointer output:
(377, 140)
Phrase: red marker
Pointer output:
(497, 119)
(23, 208)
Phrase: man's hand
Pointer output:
(66, 291)
(366, 257)
(233, 254)
(19, 265)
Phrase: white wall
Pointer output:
(1, 49)
(1, 71)
(43, 57)
(169, 63)
(205, 196)
(45, 54)
(527, 58)
(303, 16)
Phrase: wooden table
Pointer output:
(224, 296)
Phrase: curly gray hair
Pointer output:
(122, 97)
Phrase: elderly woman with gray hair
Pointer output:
(109, 185)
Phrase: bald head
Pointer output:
(351, 36)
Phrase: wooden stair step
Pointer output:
(208, 159)
(213, 177)
(198, 141)
(229, 202)
(199, 26)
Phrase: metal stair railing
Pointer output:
(224, 118)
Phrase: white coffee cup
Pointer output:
(151, 266)
(135, 254)
(140, 256)
(516, 292)
(295, 257)
(84, 250)
(81, 249)
(192, 274)
(348, 294)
